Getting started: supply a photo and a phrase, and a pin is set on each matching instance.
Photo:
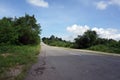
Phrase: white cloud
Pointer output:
(115, 2)
(39, 3)
(68, 37)
(77, 29)
(102, 5)
(108, 33)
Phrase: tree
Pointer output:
(112, 43)
(23, 30)
(119, 43)
(88, 39)
(7, 31)
(101, 41)
(52, 37)
(29, 31)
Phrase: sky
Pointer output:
(69, 18)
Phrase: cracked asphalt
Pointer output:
(67, 64)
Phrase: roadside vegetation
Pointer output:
(55, 41)
(16, 60)
(19, 46)
(89, 40)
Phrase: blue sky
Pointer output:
(69, 18)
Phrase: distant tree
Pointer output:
(56, 41)
(119, 43)
(101, 41)
(78, 42)
(112, 43)
(45, 40)
(52, 37)
(88, 39)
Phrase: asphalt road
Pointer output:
(67, 64)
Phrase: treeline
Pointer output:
(89, 40)
(19, 31)
(55, 41)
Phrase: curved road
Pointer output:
(68, 64)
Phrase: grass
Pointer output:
(12, 57)
(105, 48)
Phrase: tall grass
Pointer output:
(12, 56)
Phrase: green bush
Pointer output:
(105, 48)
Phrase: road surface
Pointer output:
(67, 64)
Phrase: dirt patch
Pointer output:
(13, 72)
(6, 54)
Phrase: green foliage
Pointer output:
(101, 41)
(55, 41)
(105, 48)
(91, 41)
(102, 48)
(88, 39)
(106, 45)
(16, 31)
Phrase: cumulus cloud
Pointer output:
(114, 2)
(77, 29)
(39, 3)
(108, 33)
(102, 5)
